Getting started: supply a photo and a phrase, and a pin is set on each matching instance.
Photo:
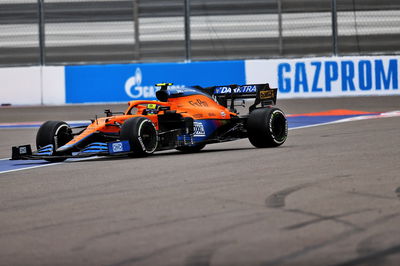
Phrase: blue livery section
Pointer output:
(46, 150)
(122, 83)
(119, 147)
(203, 129)
(95, 147)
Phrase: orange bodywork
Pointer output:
(196, 106)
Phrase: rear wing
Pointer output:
(262, 94)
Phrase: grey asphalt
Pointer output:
(329, 196)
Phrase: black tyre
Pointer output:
(57, 133)
(267, 127)
(191, 149)
(142, 135)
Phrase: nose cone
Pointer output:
(64, 148)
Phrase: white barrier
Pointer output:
(20, 85)
(53, 85)
(328, 77)
(32, 85)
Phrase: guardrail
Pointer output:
(98, 31)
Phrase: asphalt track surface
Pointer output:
(329, 196)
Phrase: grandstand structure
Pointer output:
(60, 32)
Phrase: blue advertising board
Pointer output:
(121, 83)
(328, 77)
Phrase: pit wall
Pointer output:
(295, 78)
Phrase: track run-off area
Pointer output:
(329, 196)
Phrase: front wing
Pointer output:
(24, 152)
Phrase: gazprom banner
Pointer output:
(121, 83)
(328, 77)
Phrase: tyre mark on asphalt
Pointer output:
(52, 225)
(370, 195)
(121, 182)
(322, 218)
(157, 252)
(43, 202)
(82, 188)
(203, 256)
(337, 238)
(397, 191)
(277, 199)
(240, 202)
(148, 226)
(369, 246)
(376, 256)
(149, 255)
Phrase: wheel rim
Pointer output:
(148, 136)
(62, 136)
(278, 126)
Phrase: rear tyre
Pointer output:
(57, 133)
(267, 127)
(191, 149)
(141, 134)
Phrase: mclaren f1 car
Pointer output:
(186, 119)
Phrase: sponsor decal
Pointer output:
(328, 77)
(223, 114)
(199, 130)
(135, 90)
(152, 106)
(266, 95)
(240, 89)
(345, 76)
(22, 150)
(198, 103)
(117, 147)
(141, 143)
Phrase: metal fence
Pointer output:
(52, 32)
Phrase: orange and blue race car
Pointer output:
(186, 119)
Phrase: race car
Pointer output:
(186, 119)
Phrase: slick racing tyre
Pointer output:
(57, 133)
(191, 149)
(141, 134)
(267, 127)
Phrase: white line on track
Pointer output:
(352, 119)
(49, 164)
(30, 167)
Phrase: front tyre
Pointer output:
(141, 134)
(267, 127)
(56, 133)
